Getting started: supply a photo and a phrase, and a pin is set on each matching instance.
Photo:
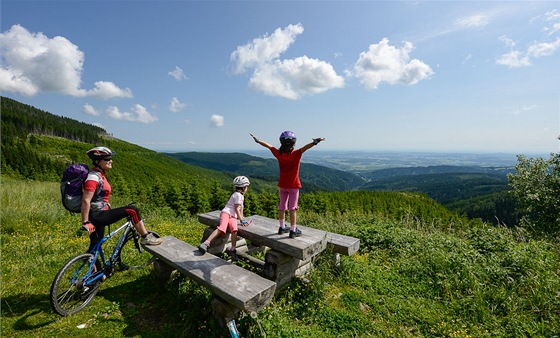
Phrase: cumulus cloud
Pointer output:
(288, 78)
(90, 110)
(295, 77)
(106, 90)
(33, 63)
(217, 121)
(178, 74)
(385, 63)
(138, 113)
(265, 49)
(536, 49)
(176, 105)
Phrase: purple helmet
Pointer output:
(288, 137)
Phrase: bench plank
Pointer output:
(264, 231)
(342, 244)
(239, 287)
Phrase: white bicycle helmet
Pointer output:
(241, 182)
(99, 153)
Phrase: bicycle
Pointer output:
(78, 281)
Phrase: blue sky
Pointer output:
(445, 76)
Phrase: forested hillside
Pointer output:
(312, 176)
(477, 192)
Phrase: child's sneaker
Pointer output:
(294, 234)
(203, 247)
(151, 240)
(233, 255)
(283, 230)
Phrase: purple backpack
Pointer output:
(71, 185)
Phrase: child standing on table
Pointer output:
(289, 183)
(231, 213)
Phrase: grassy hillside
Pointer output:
(411, 278)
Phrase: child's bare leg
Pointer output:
(233, 240)
(293, 219)
(281, 217)
(213, 235)
(204, 246)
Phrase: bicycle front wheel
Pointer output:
(70, 291)
(132, 254)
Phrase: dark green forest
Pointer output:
(476, 192)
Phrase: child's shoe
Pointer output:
(283, 230)
(296, 233)
(233, 255)
(203, 247)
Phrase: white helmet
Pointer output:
(241, 182)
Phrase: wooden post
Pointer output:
(162, 270)
(223, 311)
(281, 268)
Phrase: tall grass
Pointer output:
(411, 278)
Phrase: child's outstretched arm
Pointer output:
(262, 143)
(312, 143)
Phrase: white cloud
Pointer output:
(33, 63)
(514, 59)
(106, 90)
(385, 63)
(217, 121)
(473, 21)
(178, 74)
(263, 50)
(507, 41)
(138, 114)
(536, 49)
(90, 110)
(552, 15)
(295, 77)
(288, 78)
(176, 105)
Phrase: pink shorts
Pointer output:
(227, 221)
(288, 199)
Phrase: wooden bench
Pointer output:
(242, 289)
(287, 257)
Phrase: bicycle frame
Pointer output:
(98, 252)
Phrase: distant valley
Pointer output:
(361, 171)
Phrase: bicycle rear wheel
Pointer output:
(69, 290)
(133, 255)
